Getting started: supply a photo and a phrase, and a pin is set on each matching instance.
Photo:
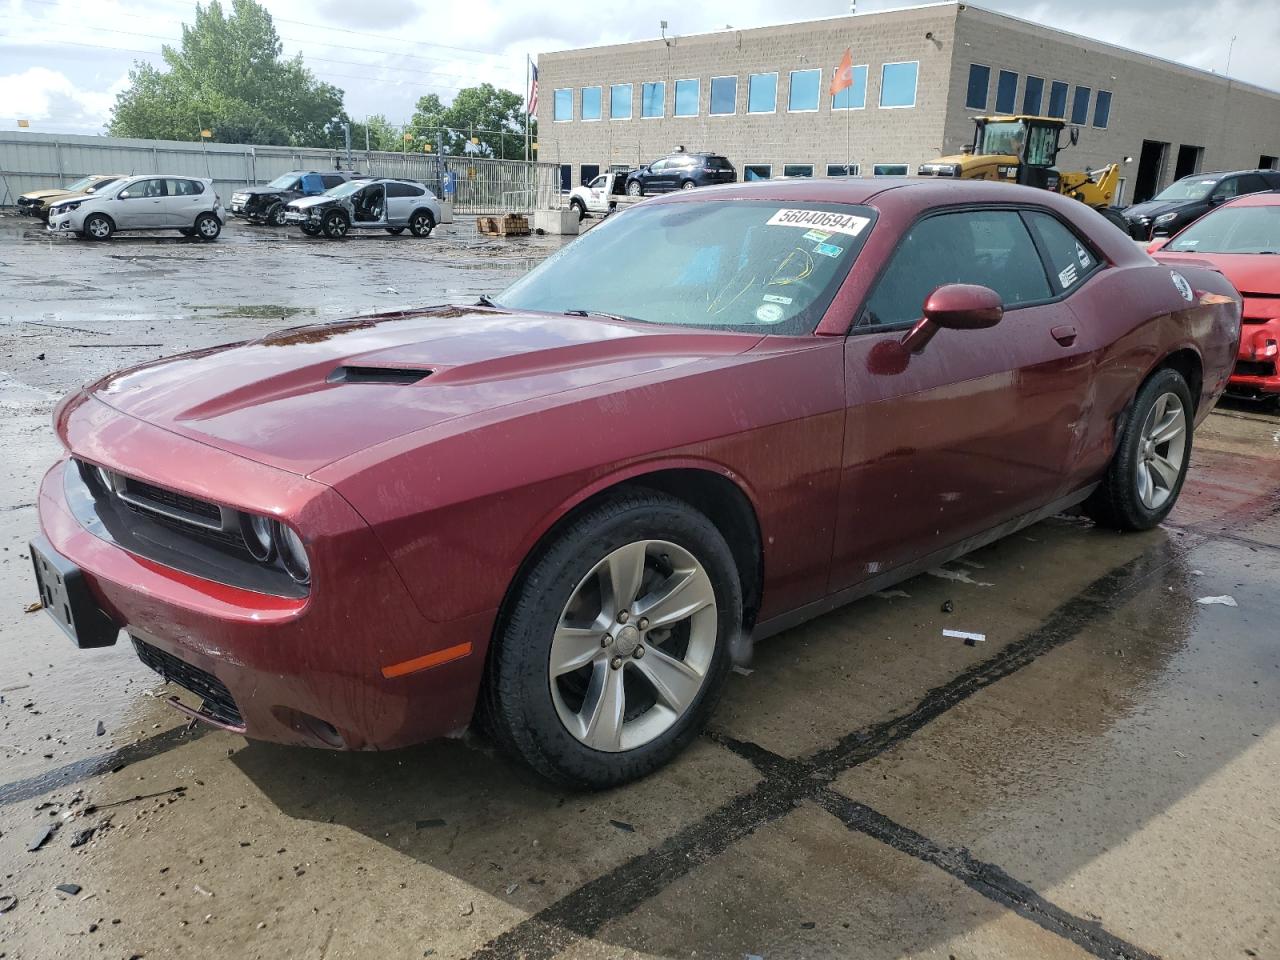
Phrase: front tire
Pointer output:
(336, 225)
(579, 208)
(1146, 473)
(98, 226)
(616, 644)
(275, 216)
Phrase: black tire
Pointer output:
(421, 223)
(208, 227)
(580, 208)
(517, 705)
(635, 189)
(275, 216)
(688, 185)
(1117, 503)
(1115, 217)
(98, 226)
(395, 231)
(335, 225)
(309, 230)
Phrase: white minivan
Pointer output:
(148, 202)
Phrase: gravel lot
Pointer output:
(1100, 778)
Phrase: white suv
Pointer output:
(186, 204)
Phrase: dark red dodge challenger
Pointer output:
(564, 511)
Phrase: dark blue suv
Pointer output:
(680, 171)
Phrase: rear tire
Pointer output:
(98, 226)
(578, 207)
(1146, 472)
(551, 678)
(634, 189)
(208, 227)
(688, 185)
(422, 223)
(336, 225)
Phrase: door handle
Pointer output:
(1064, 333)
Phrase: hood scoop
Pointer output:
(395, 375)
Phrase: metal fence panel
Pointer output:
(30, 161)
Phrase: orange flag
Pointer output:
(843, 78)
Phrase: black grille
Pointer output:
(169, 499)
(1255, 368)
(231, 538)
(218, 702)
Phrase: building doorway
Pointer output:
(1266, 163)
(566, 177)
(1188, 162)
(1150, 167)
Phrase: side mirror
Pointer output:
(955, 306)
(1215, 199)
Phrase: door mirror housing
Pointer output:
(955, 306)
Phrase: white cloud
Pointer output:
(39, 94)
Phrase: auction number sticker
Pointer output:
(846, 223)
(769, 313)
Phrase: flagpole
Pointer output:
(527, 62)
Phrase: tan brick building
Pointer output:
(761, 98)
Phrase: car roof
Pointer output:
(1223, 173)
(1264, 198)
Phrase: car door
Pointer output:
(655, 179)
(183, 202)
(402, 198)
(977, 428)
(596, 200)
(141, 205)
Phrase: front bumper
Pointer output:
(71, 221)
(319, 670)
(1139, 228)
(1257, 369)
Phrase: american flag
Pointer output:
(533, 88)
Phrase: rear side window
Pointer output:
(331, 180)
(1252, 183)
(1071, 262)
(987, 247)
(718, 163)
(403, 190)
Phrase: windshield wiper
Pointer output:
(599, 313)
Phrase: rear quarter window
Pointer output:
(1071, 260)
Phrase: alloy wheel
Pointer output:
(1162, 451)
(633, 646)
(98, 228)
(208, 227)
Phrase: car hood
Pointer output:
(46, 194)
(303, 203)
(303, 398)
(260, 190)
(1153, 208)
(1255, 275)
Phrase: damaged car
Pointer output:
(389, 204)
(36, 203)
(566, 511)
(266, 204)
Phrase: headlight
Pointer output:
(1166, 217)
(65, 208)
(258, 536)
(292, 553)
(939, 170)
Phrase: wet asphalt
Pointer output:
(1098, 778)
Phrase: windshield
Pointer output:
(1232, 230)
(80, 184)
(1192, 188)
(754, 265)
(286, 181)
(346, 189)
(1003, 138)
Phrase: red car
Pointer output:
(714, 416)
(1242, 239)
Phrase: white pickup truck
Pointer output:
(601, 195)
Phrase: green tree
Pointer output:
(495, 117)
(230, 77)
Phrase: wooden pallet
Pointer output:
(512, 225)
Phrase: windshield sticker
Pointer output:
(1184, 288)
(1083, 256)
(817, 236)
(769, 313)
(774, 298)
(1068, 276)
(828, 249)
(845, 223)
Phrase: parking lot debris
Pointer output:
(202, 891)
(958, 576)
(42, 837)
(469, 909)
(429, 824)
(512, 887)
(623, 826)
(33, 607)
(742, 671)
(1225, 601)
(970, 639)
(102, 729)
(948, 606)
(890, 594)
(83, 836)
(7, 902)
(70, 889)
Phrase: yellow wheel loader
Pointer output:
(1024, 149)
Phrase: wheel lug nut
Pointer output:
(606, 640)
(639, 653)
(623, 616)
(616, 663)
(643, 624)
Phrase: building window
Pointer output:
(979, 80)
(797, 170)
(566, 177)
(1007, 92)
(1080, 105)
(889, 170)
(1102, 109)
(898, 84)
(1058, 99)
(853, 97)
(803, 95)
(757, 171)
(762, 93)
(653, 97)
(686, 98)
(620, 101)
(589, 172)
(589, 104)
(564, 104)
(842, 169)
(724, 96)
(1033, 96)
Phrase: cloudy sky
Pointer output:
(63, 61)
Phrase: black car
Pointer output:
(266, 204)
(1191, 198)
(680, 171)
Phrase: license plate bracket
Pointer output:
(68, 600)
